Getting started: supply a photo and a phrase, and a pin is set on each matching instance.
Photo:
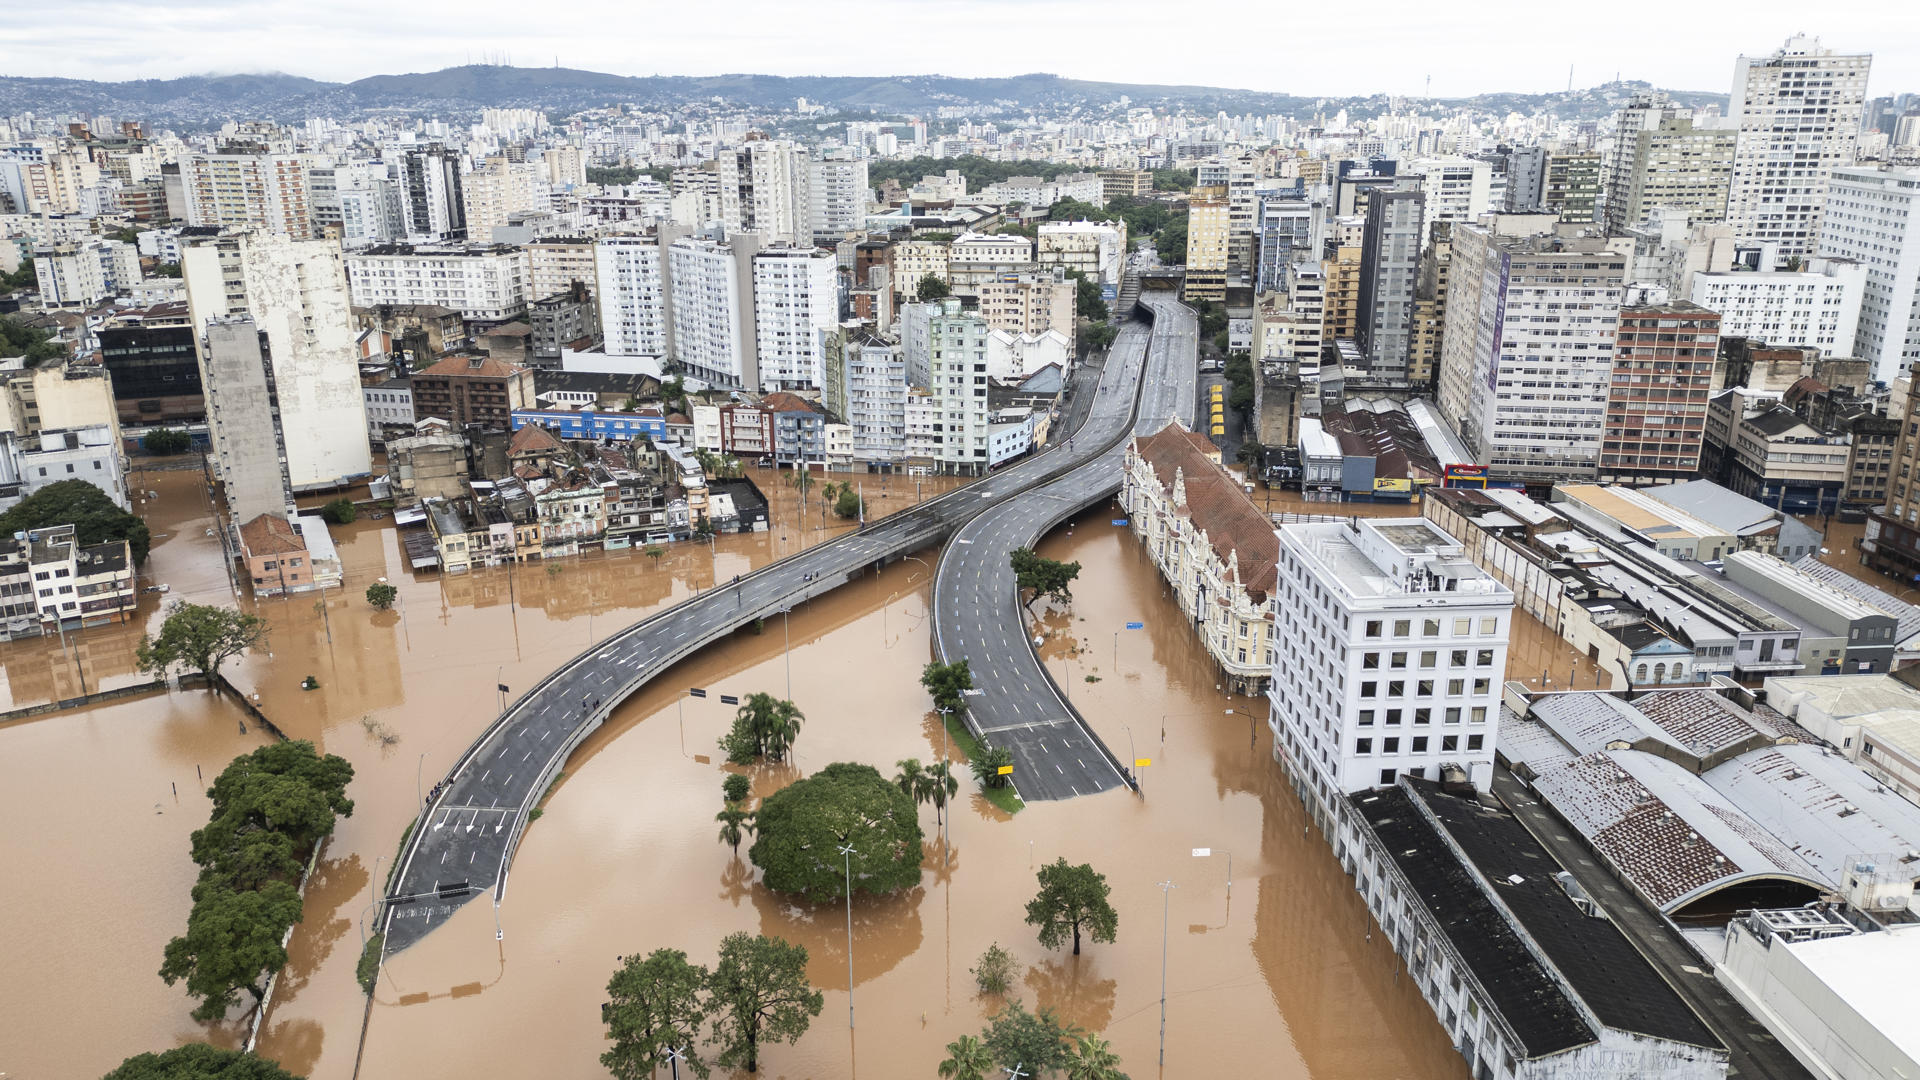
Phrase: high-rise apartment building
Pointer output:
(497, 190)
(874, 378)
(1208, 228)
(248, 188)
(1798, 117)
(556, 263)
(771, 183)
(1573, 186)
(635, 293)
(1395, 652)
(1389, 271)
(486, 284)
(244, 418)
(1661, 160)
(1456, 188)
(1526, 185)
(432, 194)
(1817, 307)
(710, 301)
(1430, 307)
(1288, 228)
(837, 201)
(1657, 407)
(796, 302)
(295, 293)
(949, 426)
(1873, 218)
(1030, 303)
(1340, 290)
(1527, 355)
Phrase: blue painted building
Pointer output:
(594, 423)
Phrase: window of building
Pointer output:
(1430, 628)
(1402, 627)
(1420, 745)
(1370, 661)
(1462, 627)
(1479, 715)
(1373, 625)
(1363, 746)
(1429, 658)
(1365, 718)
(1422, 716)
(1390, 746)
(1449, 743)
(1458, 657)
(1393, 717)
(1386, 777)
(1399, 661)
(1456, 687)
(1483, 658)
(1489, 626)
(1474, 742)
(1397, 688)
(1369, 689)
(1453, 716)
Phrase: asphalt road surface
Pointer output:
(465, 839)
(976, 607)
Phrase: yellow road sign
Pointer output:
(1142, 762)
(1006, 770)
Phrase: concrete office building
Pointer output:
(710, 305)
(1207, 239)
(1573, 184)
(497, 191)
(1663, 161)
(1288, 228)
(838, 200)
(1526, 180)
(1097, 249)
(295, 292)
(243, 418)
(1397, 651)
(1657, 401)
(1527, 353)
(1816, 308)
(1798, 117)
(796, 305)
(248, 189)
(1873, 217)
(433, 206)
(1389, 272)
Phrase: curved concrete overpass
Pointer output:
(464, 842)
(976, 605)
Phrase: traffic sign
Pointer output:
(1006, 770)
(1202, 852)
(1119, 521)
(1136, 626)
(729, 699)
(696, 691)
(1142, 762)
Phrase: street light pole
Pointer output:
(846, 859)
(1166, 888)
(786, 630)
(1135, 770)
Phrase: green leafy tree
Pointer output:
(288, 788)
(847, 504)
(941, 788)
(166, 270)
(735, 788)
(1072, 899)
(33, 343)
(759, 994)
(1100, 335)
(765, 726)
(736, 823)
(987, 764)
(656, 552)
(1035, 1042)
(1088, 302)
(339, 512)
(232, 944)
(802, 481)
(1043, 576)
(200, 636)
(932, 287)
(655, 1003)
(801, 827)
(1173, 179)
(967, 1059)
(199, 1061)
(92, 513)
(1170, 243)
(612, 175)
(947, 683)
(382, 595)
(167, 441)
(1093, 1059)
(993, 972)
(25, 277)
(1075, 210)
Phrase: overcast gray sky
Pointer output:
(1307, 48)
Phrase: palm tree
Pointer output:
(967, 1059)
(911, 781)
(1092, 1059)
(783, 726)
(735, 823)
(941, 786)
(987, 764)
(770, 724)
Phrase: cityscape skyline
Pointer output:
(1406, 48)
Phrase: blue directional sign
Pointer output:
(1136, 626)
(1119, 521)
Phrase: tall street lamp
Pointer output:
(1166, 890)
(846, 859)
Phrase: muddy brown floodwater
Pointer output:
(1274, 977)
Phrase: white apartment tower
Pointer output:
(295, 293)
(631, 287)
(1873, 218)
(710, 303)
(1817, 307)
(951, 348)
(796, 300)
(838, 201)
(1391, 650)
(1526, 362)
(774, 182)
(1798, 116)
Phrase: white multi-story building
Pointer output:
(1815, 308)
(979, 257)
(1390, 651)
(706, 428)
(1798, 114)
(294, 292)
(956, 362)
(485, 284)
(1097, 249)
(796, 300)
(766, 187)
(247, 190)
(369, 199)
(710, 303)
(876, 402)
(76, 275)
(916, 260)
(1028, 303)
(1662, 160)
(838, 199)
(1454, 189)
(630, 284)
(497, 190)
(1526, 361)
(554, 263)
(1873, 217)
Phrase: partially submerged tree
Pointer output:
(993, 972)
(947, 683)
(735, 825)
(382, 595)
(199, 1061)
(987, 764)
(1043, 576)
(232, 944)
(765, 726)
(1072, 899)
(200, 636)
(1035, 1042)
(801, 828)
(655, 1003)
(759, 994)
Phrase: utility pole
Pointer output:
(846, 859)
(1166, 888)
(786, 629)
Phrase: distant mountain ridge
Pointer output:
(200, 100)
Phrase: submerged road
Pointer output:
(976, 604)
(465, 839)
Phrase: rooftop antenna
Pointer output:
(1569, 78)
(1429, 86)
